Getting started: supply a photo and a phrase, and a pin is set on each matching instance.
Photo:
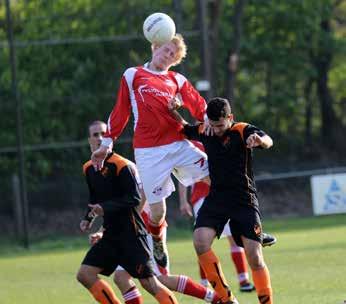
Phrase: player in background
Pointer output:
(178, 283)
(232, 196)
(114, 194)
(159, 146)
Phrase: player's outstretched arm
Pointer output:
(184, 206)
(173, 105)
(255, 140)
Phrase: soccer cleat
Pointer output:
(268, 239)
(160, 252)
(247, 287)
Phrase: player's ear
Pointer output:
(230, 116)
(154, 47)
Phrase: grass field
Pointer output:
(308, 265)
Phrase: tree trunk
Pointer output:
(330, 123)
(308, 113)
(215, 8)
(233, 55)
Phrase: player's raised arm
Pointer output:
(193, 101)
(117, 121)
(255, 137)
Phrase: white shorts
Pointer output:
(226, 230)
(156, 268)
(155, 165)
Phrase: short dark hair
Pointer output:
(218, 108)
(95, 122)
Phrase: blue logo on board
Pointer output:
(335, 198)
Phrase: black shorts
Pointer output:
(244, 219)
(131, 253)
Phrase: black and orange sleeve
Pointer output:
(129, 197)
(251, 129)
(193, 132)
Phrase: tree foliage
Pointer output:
(69, 64)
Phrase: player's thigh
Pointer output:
(155, 168)
(212, 214)
(103, 255)
(245, 222)
(136, 257)
(253, 251)
(158, 210)
(191, 164)
(203, 237)
(123, 279)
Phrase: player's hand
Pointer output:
(174, 104)
(96, 210)
(185, 209)
(254, 140)
(95, 237)
(207, 129)
(98, 157)
(84, 225)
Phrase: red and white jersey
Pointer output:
(147, 93)
(200, 189)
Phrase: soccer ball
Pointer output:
(159, 28)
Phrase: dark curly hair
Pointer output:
(218, 108)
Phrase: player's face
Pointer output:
(96, 133)
(220, 126)
(164, 56)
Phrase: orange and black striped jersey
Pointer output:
(230, 161)
(114, 187)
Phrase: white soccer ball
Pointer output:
(159, 28)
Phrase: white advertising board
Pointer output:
(328, 193)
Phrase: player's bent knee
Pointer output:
(201, 245)
(123, 280)
(255, 261)
(202, 239)
(169, 281)
(157, 212)
(149, 285)
(83, 277)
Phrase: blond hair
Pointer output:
(179, 42)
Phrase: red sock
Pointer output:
(133, 296)
(189, 287)
(156, 230)
(239, 260)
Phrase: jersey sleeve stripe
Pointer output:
(86, 166)
(239, 126)
(180, 80)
